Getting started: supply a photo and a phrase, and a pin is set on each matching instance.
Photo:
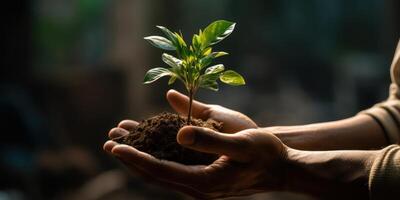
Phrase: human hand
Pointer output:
(233, 121)
(251, 161)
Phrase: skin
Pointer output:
(359, 132)
(255, 159)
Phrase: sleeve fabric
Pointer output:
(387, 113)
(384, 179)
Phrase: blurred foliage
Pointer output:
(69, 32)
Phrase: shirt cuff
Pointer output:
(387, 115)
(384, 178)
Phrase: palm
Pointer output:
(251, 162)
(238, 163)
(233, 121)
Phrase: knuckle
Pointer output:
(244, 140)
(206, 112)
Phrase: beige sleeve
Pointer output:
(387, 113)
(384, 178)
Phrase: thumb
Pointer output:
(210, 141)
(180, 103)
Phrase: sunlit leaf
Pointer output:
(209, 81)
(156, 73)
(215, 69)
(196, 42)
(211, 85)
(216, 31)
(170, 35)
(218, 54)
(160, 42)
(171, 60)
(232, 78)
(207, 60)
(191, 59)
(171, 80)
(207, 51)
(181, 45)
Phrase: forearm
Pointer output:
(359, 132)
(330, 174)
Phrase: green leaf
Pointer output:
(209, 81)
(171, 80)
(171, 36)
(211, 85)
(218, 54)
(232, 78)
(171, 60)
(207, 51)
(215, 69)
(161, 42)
(156, 73)
(180, 39)
(196, 42)
(204, 62)
(216, 32)
(191, 59)
(181, 46)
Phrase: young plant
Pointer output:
(192, 62)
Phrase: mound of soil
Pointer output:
(157, 136)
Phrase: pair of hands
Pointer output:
(251, 159)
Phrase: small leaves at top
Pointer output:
(216, 32)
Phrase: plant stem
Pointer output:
(190, 106)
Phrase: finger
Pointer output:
(117, 132)
(180, 103)
(128, 125)
(150, 177)
(163, 169)
(166, 184)
(109, 145)
(209, 141)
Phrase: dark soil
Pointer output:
(157, 136)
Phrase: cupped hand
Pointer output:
(251, 161)
(233, 121)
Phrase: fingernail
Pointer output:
(171, 90)
(186, 137)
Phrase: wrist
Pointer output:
(298, 137)
(329, 174)
(297, 178)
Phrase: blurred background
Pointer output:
(71, 70)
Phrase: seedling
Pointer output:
(192, 62)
